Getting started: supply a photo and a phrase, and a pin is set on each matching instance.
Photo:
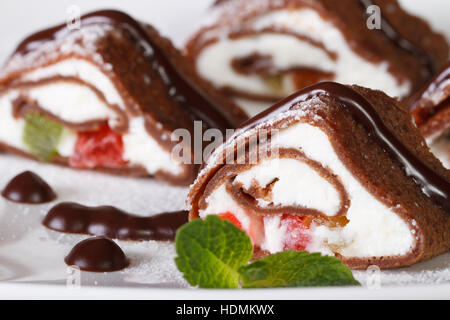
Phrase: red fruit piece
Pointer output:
(99, 148)
(232, 218)
(297, 237)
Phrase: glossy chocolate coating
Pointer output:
(97, 254)
(113, 223)
(433, 185)
(28, 188)
(179, 88)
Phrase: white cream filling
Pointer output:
(298, 185)
(440, 147)
(75, 103)
(220, 201)
(67, 142)
(373, 230)
(139, 147)
(142, 149)
(274, 234)
(71, 102)
(11, 129)
(214, 63)
(81, 69)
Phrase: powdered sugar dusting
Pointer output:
(224, 18)
(31, 253)
(82, 43)
(435, 271)
(232, 8)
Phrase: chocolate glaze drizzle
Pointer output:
(179, 88)
(392, 34)
(28, 188)
(113, 223)
(97, 254)
(435, 186)
(421, 115)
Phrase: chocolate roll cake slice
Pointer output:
(267, 49)
(431, 112)
(336, 169)
(106, 96)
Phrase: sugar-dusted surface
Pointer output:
(432, 272)
(32, 254)
(29, 252)
(82, 43)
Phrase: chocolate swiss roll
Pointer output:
(334, 169)
(264, 50)
(106, 95)
(431, 112)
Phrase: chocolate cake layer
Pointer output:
(430, 108)
(266, 49)
(346, 173)
(116, 88)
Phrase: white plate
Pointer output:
(31, 257)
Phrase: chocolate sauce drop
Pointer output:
(179, 88)
(97, 254)
(433, 185)
(395, 37)
(113, 223)
(28, 188)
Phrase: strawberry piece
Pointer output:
(297, 237)
(232, 218)
(99, 148)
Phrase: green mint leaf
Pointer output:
(211, 251)
(41, 136)
(296, 269)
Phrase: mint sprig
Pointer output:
(296, 269)
(211, 251)
(214, 253)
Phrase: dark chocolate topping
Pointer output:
(97, 254)
(400, 41)
(113, 223)
(28, 188)
(179, 88)
(435, 186)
